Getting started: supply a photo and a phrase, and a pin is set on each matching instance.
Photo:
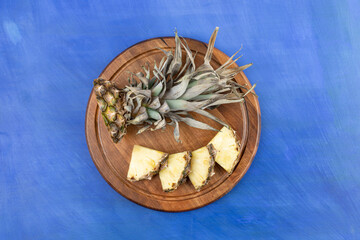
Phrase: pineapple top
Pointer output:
(164, 94)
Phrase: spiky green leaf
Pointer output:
(183, 105)
(153, 114)
(179, 89)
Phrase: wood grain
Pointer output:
(112, 160)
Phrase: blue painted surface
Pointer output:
(304, 182)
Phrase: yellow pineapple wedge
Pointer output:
(145, 163)
(227, 149)
(178, 168)
(202, 166)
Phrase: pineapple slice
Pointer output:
(145, 163)
(227, 149)
(202, 166)
(178, 167)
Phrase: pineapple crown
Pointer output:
(174, 89)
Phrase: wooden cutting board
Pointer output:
(112, 160)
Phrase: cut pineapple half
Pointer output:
(202, 166)
(227, 149)
(178, 167)
(145, 163)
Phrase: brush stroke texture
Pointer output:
(304, 182)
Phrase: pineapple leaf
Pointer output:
(152, 81)
(196, 91)
(147, 70)
(209, 115)
(164, 68)
(206, 97)
(176, 62)
(231, 72)
(210, 48)
(178, 90)
(140, 118)
(155, 104)
(157, 89)
(229, 62)
(128, 108)
(190, 69)
(164, 108)
(205, 75)
(213, 89)
(143, 79)
(189, 55)
(138, 91)
(180, 105)
(138, 99)
(163, 91)
(174, 122)
(195, 123)
(178, 77)
(224, 90)
(143, 129)
(159, 124)
(176, 131)
(223, 101)
(250, 90)
(162, 62)
(153, 114)
(158, 71)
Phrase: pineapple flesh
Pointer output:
(227, 149)
(145, 163)
(202, 166)
(178, 168)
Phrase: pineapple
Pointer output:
(178, 167)
(145, 163)
(111, 103)
(202, 166)
(165, 94)
(227, 149)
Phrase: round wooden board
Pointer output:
(112, 160)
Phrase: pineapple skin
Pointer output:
(110, 101)
(184, 174)
(236, 159)
(210, 171)
(148, 176)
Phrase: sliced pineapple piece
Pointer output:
(227, 149)
(178, 167)
(145, 163)
(202, 166)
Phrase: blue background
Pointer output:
(304, 182)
